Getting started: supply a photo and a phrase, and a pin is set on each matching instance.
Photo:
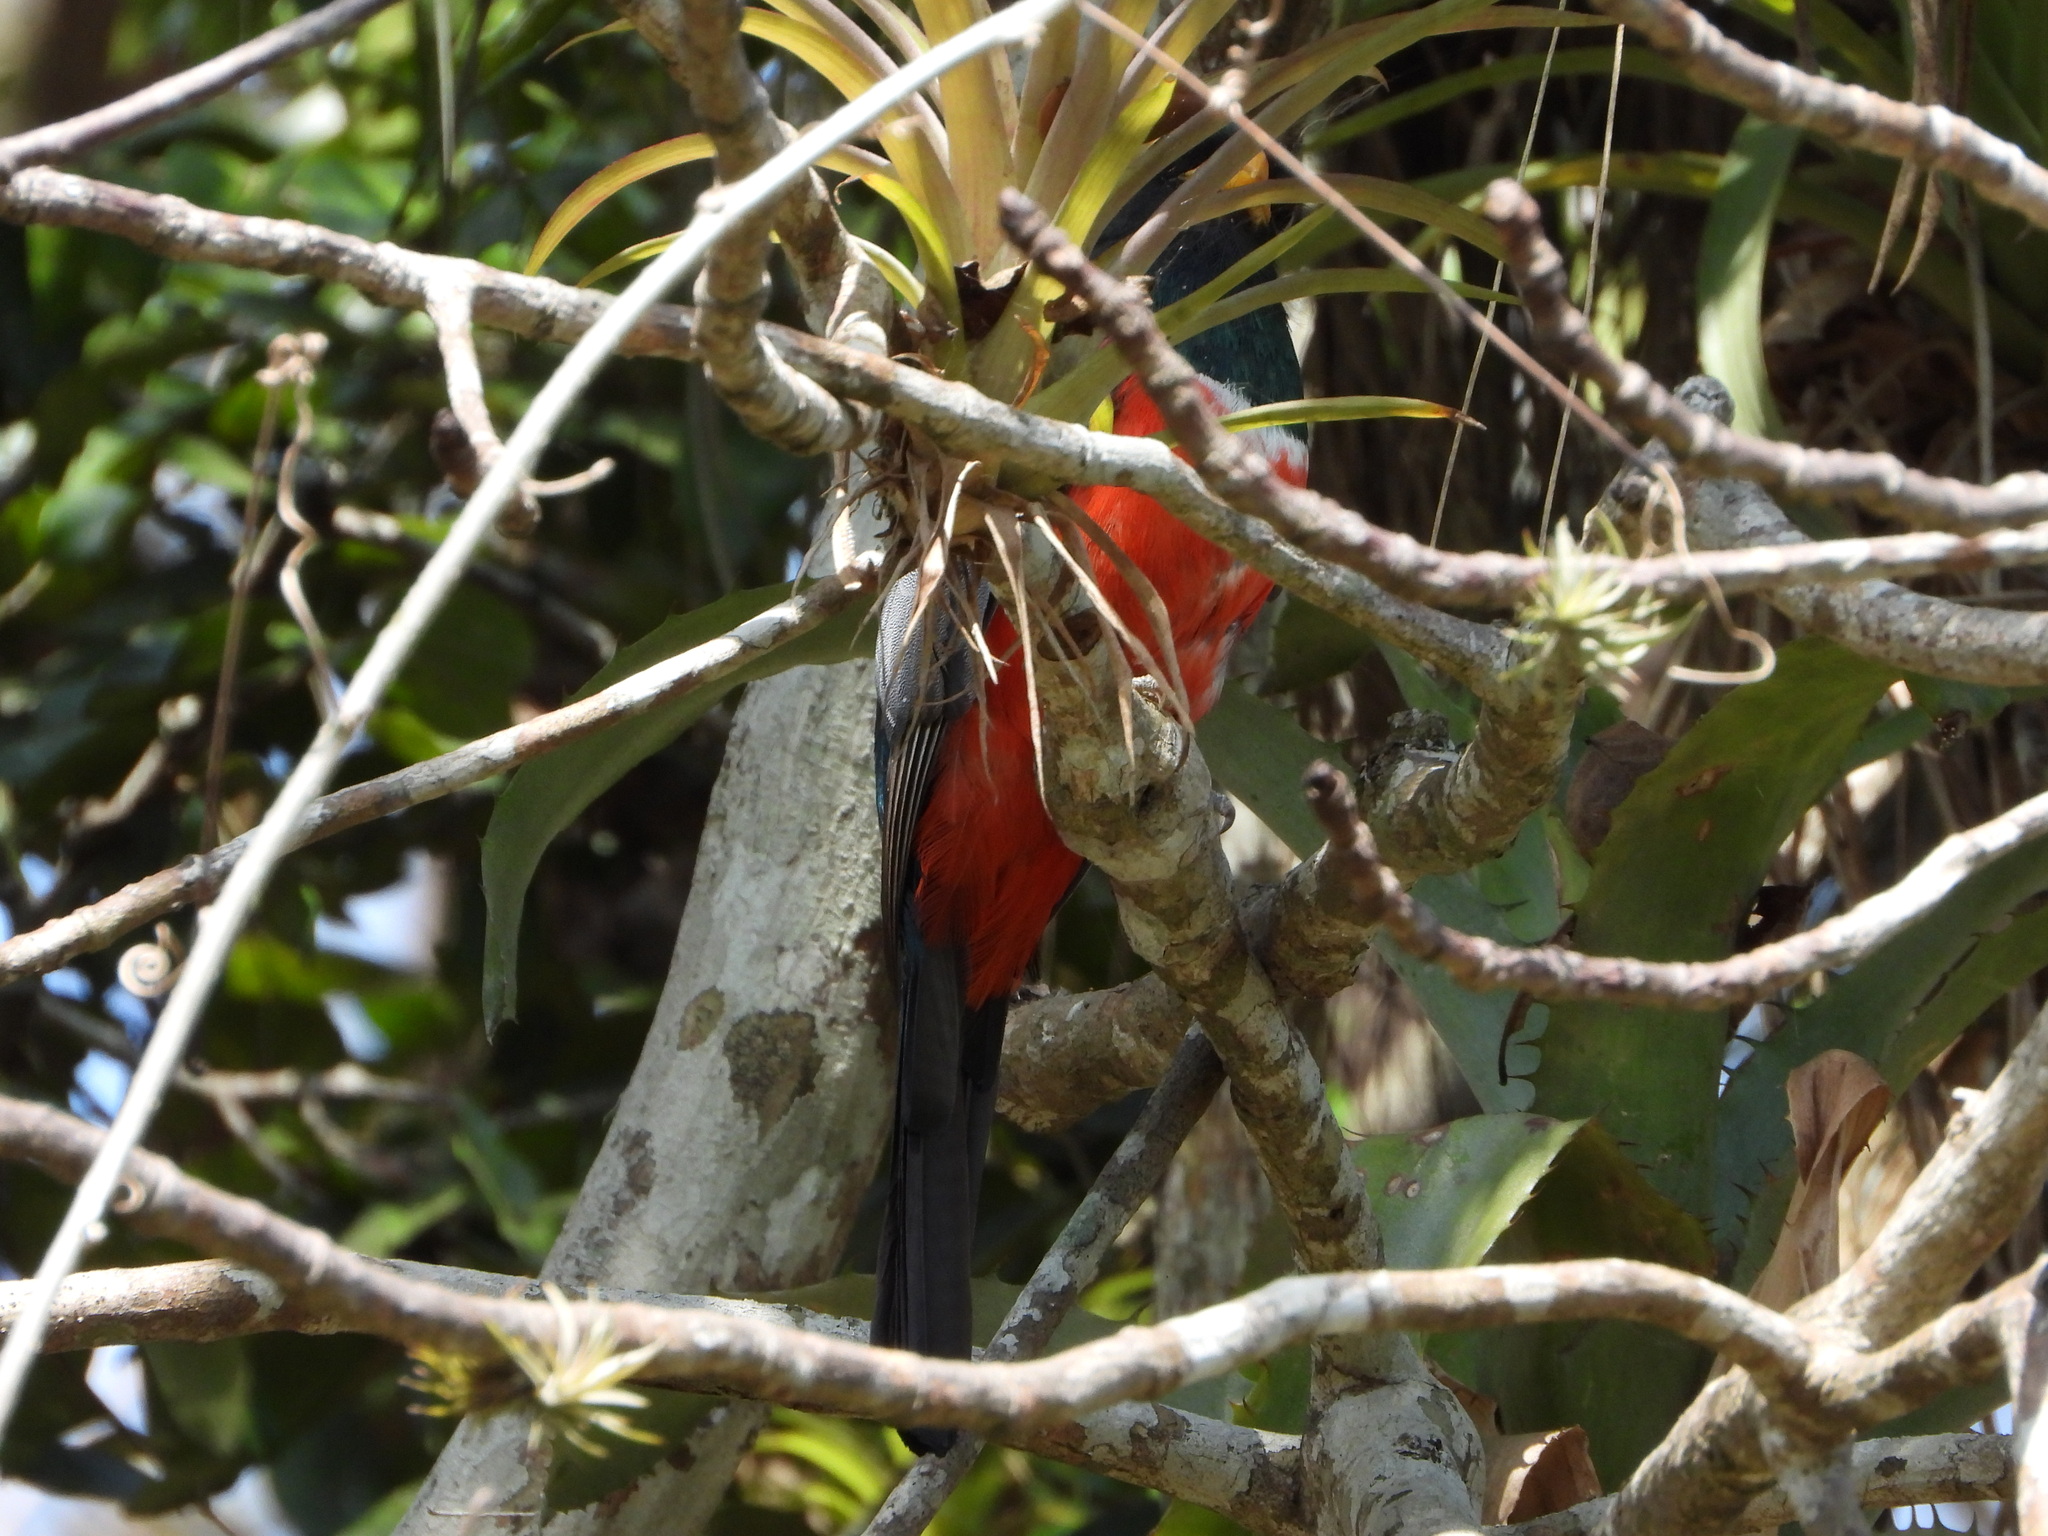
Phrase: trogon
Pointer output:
(972, 870)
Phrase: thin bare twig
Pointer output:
(1931, 137)
(196, 879)
(450, 300)
(1702, 444)
(1071, 1265)
(1554, 973)
(249, 559)
(166, 98)
(293, 360)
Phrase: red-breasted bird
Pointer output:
(972, 868)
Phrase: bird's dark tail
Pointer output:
(945, 1102)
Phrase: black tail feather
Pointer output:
(923, 1295)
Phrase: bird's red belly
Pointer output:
(992, 868)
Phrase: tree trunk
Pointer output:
(738, 1157)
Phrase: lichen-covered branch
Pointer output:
(1251, 1475)
(1703, 444)
(1553, 972)
(699, 42)
(1996, 647)
(1931, 137)
(1982, 1179)
(1143, 813)
(1890, 1474)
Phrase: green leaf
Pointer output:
(1733, 251)
(1897, 1009)
(1258, 752)
(527, 1219)
(547, 794)
(385, 1228)
(461, 678)
(1674, 880)
(382, 1517)
(205, 1389)
(1625, 1383)
(1471, 1024)
(1444, 1195)
(1310, 644)
(1419, 690)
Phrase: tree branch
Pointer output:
(196, 879)
(1250, 1475)
(1071, 1265)
(1931, 137)
(186, 89)
(786, 1355)
(1140, 809)
(1873, 618)
(1705, 446)
(1919, 1469)
(1985, 1175)
(745, 1353)
(962, 421)
(1553, 973)
(699, 42)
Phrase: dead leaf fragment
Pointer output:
(1532, 1475)
(1613, 760)
(1836, 1100)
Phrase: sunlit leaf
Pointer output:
(1733, 251)
(1444, 1195)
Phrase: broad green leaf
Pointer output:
(1472, 1024)
(1310, 644)
(462, 677)
(1258, 752)
(382, 1517)
(547, 794)
(1419, 690)
(1734, 249)
(1444, 1195)
(1897, 1009)
(1674, 880)
(1624, 1382)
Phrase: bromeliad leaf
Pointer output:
(1444, 1195)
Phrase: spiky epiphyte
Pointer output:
(1585, 617)
(576, 1387)
(573, 1384)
